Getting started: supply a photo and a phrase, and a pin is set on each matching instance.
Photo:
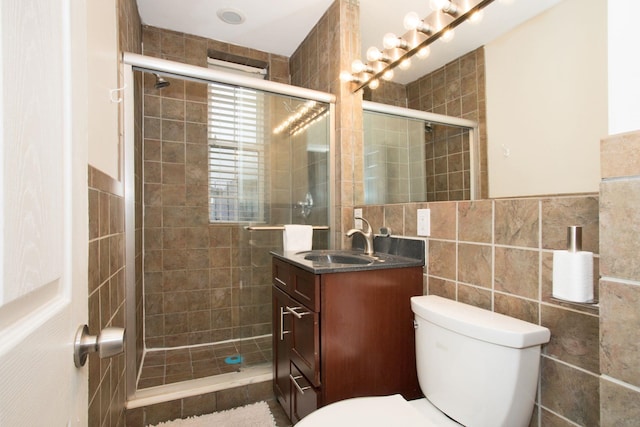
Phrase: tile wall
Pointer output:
(106, 296)
(497, 254)
(620, 282)
(193, 269)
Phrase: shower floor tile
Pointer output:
(161, 367)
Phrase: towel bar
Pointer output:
(278, 227)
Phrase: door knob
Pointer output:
(109, 342)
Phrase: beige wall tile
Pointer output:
(570, 392)
(517, 222)
(620, 229)
(442, 259)
(474, 296)
(443, 220)
(620, 331)
(516, 271)
(620, 406)
(575, 337)
(519, 308)
(475, 264)
(620, 155)
(475, 221)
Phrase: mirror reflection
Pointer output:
(412, 160)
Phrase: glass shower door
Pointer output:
(295, 190)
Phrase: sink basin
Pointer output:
(337, 258)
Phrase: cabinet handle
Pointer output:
(282, 282)
(295, 383)
(282, 331)
(293, 311)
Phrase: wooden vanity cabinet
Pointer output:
(342, 335)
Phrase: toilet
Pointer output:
(476, 368)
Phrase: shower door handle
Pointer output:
(109, 342)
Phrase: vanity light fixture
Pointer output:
(398, 50)
(445, 6)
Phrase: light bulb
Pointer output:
(438, 4)
(405, 64)
(444, 5)
(423, 52)
(374, 54)
(346, 76)
(411, 21)
(373, 84)
(476, 16)
(357, 66)
(447, 36)
(390, 41)
(388, 75)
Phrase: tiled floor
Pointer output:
(161, 367)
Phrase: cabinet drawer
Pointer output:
(281, 274)
(305, 341)
(304, 399)
(305, 287)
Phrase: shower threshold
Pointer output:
(167, 366)
(180, 390)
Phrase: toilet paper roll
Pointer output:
(573, 276)
(296, 237)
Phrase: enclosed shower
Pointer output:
(222, 168)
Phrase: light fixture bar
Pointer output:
(440, 21)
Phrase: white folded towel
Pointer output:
(296, 237)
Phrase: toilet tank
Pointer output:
(478, 367)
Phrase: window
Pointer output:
(236, 154)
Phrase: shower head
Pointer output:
(160, 82)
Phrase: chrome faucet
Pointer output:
(368, 236)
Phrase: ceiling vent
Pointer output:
(231, 16)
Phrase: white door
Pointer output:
(43, 215)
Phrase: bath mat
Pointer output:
(254, 415)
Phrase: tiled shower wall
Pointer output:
(497, 254)
(194, 272)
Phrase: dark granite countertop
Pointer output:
(390, 252)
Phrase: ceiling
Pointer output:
(279, 26)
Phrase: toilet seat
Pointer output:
(378, 411)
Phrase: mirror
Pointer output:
(415, 160)
(539, 95)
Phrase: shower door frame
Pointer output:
(135, 62)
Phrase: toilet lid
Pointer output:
(378, 411)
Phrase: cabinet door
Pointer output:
(281, 346)
(304, 397)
